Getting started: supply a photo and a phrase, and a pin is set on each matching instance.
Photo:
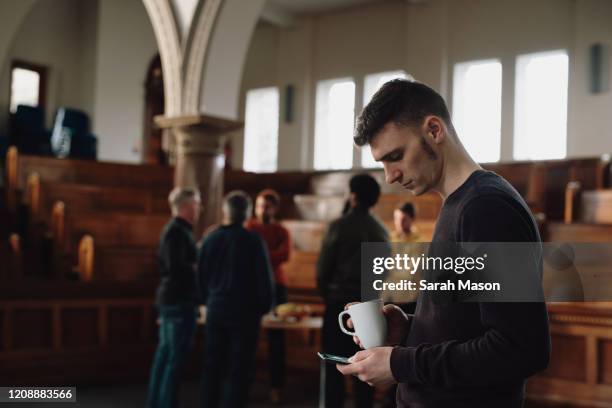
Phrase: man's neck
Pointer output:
(182, 218)
(456, 170)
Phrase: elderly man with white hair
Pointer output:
(176, 297)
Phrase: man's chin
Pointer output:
(418, 190)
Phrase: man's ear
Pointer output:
(434, 129)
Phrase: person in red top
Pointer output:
(278, 243)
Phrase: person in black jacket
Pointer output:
(339, 281)
(471, 354)
(236, 283)
(176, 297)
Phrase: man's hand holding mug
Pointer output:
(375, 326)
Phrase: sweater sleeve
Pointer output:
(280, 253)
(516, 340)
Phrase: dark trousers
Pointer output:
(332, 381)
(276, 346)
(176, 330)
(229, 363)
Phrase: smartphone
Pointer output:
(334, 359)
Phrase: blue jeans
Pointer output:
(176, 331)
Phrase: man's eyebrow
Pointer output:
(387, 156)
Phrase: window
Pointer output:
(27, 85)
(335, 114)
(540, 106)
(261, 130)
(477, 89)
(372, 83)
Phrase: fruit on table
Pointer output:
(292, 310)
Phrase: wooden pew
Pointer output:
(145, 176)
(11, 254)
(107, 245)
(42, 195)
(593, 207)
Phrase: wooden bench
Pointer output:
(590, 206)
(146, 176)
(42, 195)
(107, 245)
(11, 254)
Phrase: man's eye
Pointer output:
(395, 156)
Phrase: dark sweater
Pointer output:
(234, 275)
(176, 259)
(474, 354)
(339, 263)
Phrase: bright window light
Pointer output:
(335, 115)
(25, 85)
(477, 89)
(261, 130)
(540, 107)
(372, 83)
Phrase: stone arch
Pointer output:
(227, 40)
(168, 41)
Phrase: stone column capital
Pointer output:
(198, 134)
(200, 159)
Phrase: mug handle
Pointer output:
(341, 323)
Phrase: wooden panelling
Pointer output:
(301, 270)
(32, 328)
(596, 207)
(125, 264)
(605, 361)
(567, 359)
(124, 326)
(79, 327)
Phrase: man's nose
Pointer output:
(391, 175)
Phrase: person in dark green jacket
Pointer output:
(339, 282)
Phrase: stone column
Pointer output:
(200, 160)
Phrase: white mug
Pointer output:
(369, 323)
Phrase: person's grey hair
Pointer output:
(180, 195)
(237, 206)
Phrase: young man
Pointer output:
(339, 281)
(278, 243)
(176, 298)
(236, 284)
(464, 354)
(403, 220)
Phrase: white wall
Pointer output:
(97, 52)
(426, 40)
(126, 45)
(59, 35)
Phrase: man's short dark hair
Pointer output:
(366, 189)
(407, 208)
(402, 102)
(237, 205)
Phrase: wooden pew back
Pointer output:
(42, 195)
(19, 167)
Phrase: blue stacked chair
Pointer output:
(72, 137)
